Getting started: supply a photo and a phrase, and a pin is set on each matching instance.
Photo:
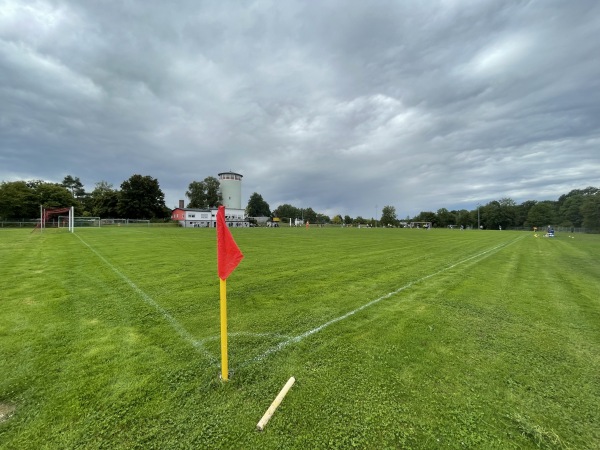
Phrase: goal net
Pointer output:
(138, 222)
(50, 218)
(79, 222)
(117, 222)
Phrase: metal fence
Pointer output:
(19, 223)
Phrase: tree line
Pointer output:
(580, 208)
(140, 197)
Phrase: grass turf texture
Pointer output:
(109, 338)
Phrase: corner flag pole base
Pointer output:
(229, 375)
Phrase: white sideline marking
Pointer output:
(148, 300)
(296, 339)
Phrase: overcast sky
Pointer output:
(344, 106)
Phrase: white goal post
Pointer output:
(48, 217)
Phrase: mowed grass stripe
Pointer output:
(292, 340)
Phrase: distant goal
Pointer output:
(425, 225)
(80, 222)
(125, 222)
(138, 222)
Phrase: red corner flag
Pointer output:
(228, 253)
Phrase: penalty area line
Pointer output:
(296, 339)
(181, 331)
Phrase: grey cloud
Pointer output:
(340, 106)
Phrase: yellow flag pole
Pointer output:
(224, 365)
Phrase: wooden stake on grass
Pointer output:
(262, 423)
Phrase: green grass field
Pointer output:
(109, 338)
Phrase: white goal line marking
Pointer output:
(151, 302)
(296, 339)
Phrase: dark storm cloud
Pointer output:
(341, 106)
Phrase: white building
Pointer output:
(207, 218)
(230, 186)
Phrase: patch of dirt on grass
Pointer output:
(6, 411)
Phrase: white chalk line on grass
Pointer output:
(249, 334)
(181, 331)
(296, 339)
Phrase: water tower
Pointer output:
(231, 189)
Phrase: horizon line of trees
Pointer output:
(140, 197)
(580, 208)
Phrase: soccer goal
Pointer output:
(425, 225)
(79, 222)
(138, 222)
(50, 218)
(117, 222)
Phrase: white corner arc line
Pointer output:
(181, 331)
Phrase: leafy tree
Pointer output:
(445, 218)
(491, 215)
(18, 200)
(388, 216)
(34, 184)
(309, 215)
(348, 220)
(322, 218)
(522, 211)
(141, 198)
(508, 212)
(588, 191)
(196, 193)
(590, 210)
(213, 192)
(570, 214)
(53, 195)
(499, 213)
(541, 214)
(22, 199)
(337, 220)
(463, 217)
(204, 194)
(475, 217)
(257, 207)
(426, 216)
(287, 211)
(74, 185)
(360, 221)
(105, 200)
